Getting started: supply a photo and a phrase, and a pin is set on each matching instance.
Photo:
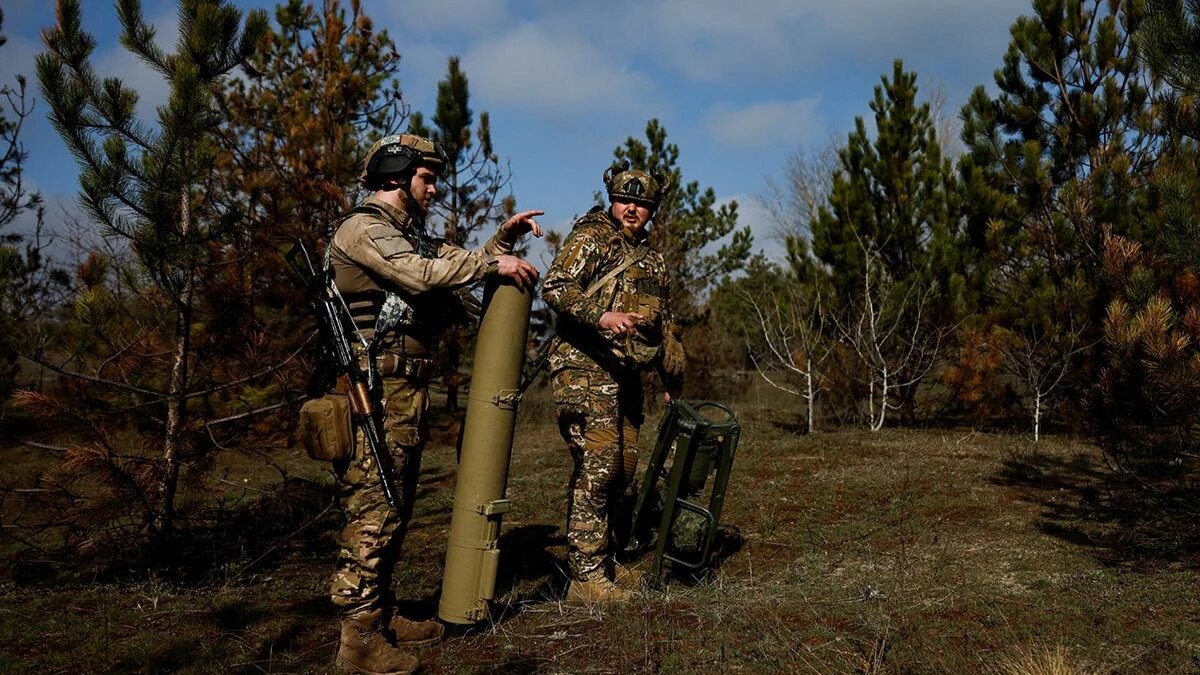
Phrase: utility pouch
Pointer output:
(325, 428)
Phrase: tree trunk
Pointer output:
(809, 393)
(1037, 414)
(176, 400)
(877, 424)
(871, 404)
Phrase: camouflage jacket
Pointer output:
(597, 245)
(384, 262)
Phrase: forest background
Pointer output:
(1026, 263)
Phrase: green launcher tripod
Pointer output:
(695, 440)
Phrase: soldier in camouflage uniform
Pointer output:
(609, 290)
(397, 282)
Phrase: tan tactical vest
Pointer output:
(410, 322)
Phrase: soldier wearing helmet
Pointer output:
(608, 288)
(398, 284)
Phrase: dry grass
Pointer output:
(1043, 660)
(897, 552)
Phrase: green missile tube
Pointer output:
(472, 553)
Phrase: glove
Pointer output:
(674, 358)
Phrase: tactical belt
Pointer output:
(413, 370)
(391, 364)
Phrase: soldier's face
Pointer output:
(424, 187)
(632, 215)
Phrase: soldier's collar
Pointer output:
(397, 214)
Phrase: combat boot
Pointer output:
(631, 578)
(365, 649)
(596, 589)
(409, 633)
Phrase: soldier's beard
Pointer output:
(414, 208)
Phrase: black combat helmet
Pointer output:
(396, 155)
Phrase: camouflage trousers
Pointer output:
(373, 532)
(599, 418)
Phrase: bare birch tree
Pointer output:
(1040, 362)
(794, 345)
(889, 331)
(795, 201)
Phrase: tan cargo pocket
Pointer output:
(407, 435)
(570, 387)
(325, 428)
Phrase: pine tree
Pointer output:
(1147, 392)
(894, 195)
(1169, 40)
(472, 194)
(1149, 387)
(1170, 45)
(144, 185)
(320, 87)
(315, 94)
(1057, 158)
(889, 241)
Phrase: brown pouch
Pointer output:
(325, 428)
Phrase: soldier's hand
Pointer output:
(520, 224)
(620, 322)
(519, 271)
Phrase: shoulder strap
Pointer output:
(629, 260)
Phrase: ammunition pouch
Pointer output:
(325, 428)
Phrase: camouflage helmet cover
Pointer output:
(392, 156)
(635, 186)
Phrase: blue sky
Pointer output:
(738, 86)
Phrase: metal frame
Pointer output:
(692, 441)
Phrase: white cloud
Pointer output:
(571, 56)
(716, 40)
(535, 68)
(766, 124)
(458, 16)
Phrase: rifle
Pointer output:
(332, 315)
